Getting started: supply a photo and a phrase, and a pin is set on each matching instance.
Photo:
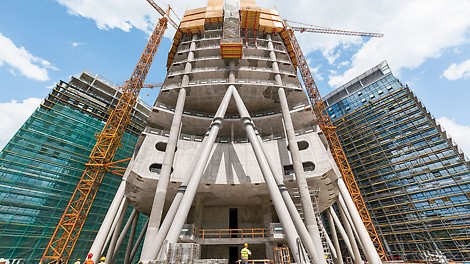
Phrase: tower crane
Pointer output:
(65, 236)
(329, 129)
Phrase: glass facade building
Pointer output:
(413, 177)
(42, 163)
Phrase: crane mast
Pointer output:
(329, 130)
(66, 234)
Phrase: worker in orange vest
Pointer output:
(89, 259)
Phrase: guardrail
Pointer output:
(233, 233)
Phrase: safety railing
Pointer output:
(233, 233)
(256, 261)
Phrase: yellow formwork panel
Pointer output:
(214, 16)
(290, 49)
(231, 50)
(247, 3)
(192, 12)
(269, 21)
(250, 17)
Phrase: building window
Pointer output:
(308, 166)
(161, 146)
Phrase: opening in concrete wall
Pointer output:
(288, 169)
(161, 146)
(308, 166)
(157, 168)
(301, 144)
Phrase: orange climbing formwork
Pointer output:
(231, 50)
(193, 21)
(214, 11)
(290, 48)
(270, 21)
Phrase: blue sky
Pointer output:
(426, 43)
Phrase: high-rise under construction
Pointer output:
(232, 154)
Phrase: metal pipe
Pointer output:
(112, 244)
(100, 239)
(185, 205)
(276, 197)
(342, 232)
(339, 255)
(369, 250)
(350, 233)
(304, 191)
(160, 191)
(131, 238)
(123, 234)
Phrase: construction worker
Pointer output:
(245, 252)
(78, 261)
(102, 260)
(4, 261)
(89, 259)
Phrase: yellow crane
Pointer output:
(65, 236)
(327, 126)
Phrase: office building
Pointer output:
(413, 177)
(41, 165)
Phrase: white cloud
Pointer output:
(125, 14)
(19, 59)
(458, 71)
(459, 133)
(414, 31)
(13, 114)
(316, 73)
(76, 44)
(417, 29)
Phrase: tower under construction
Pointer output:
(232, 153)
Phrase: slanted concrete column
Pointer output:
(130, 242)
(347, 227)
(343, 206)
(114, 239)
(304, 191)
(162, 186)
(369, 250)
(186, 201)
(339, 256)
(276, 197)
(345, 237)
(170, 215)
(307, 206)
(99, 242)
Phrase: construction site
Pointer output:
(238, 150)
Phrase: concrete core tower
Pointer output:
(232, 152)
